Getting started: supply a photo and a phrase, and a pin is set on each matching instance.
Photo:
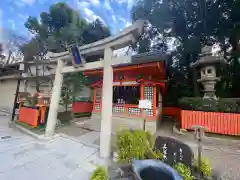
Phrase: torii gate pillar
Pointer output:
(107, 93)
(55, 98)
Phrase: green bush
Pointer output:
(210, 105)
(99, 174)
(135, 144)
(205, 167)
(184, 171)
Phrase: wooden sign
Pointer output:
(77, 59)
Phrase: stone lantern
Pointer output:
(207, 65)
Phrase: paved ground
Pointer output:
(25, 158)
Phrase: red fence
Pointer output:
(82, 107)
(173, 112)
(216, 122)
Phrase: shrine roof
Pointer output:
(150, 63)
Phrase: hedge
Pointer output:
(230, 105)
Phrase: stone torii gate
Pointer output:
(106, 47)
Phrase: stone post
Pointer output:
(106, 116)
(56, 92)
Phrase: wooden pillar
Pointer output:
(154, 100)
(159, 109)
(94, 97)
(101, 99)
(141, 94)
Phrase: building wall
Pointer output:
(7, 94)
(8, 86)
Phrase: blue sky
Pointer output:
(115, 13)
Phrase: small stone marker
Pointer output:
(199, 133)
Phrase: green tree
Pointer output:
(35, 49)
(192, 25)
(58, 28)
(63, 26)
(72, 85)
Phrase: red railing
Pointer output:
(216, 122)
(131, 110)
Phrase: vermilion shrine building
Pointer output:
(143, 79)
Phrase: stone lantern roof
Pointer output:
(207, 57)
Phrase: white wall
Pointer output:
(7, 94)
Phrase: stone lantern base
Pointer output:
(209, 86)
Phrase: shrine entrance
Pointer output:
(126, 94)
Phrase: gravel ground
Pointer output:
(224, 156)
(227, 162)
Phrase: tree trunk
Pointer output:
(66, 107)
(9, 56)
(25, 85)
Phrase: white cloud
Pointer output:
(114, 18)
(12, 23)
(19, 4)
(28, 2)
(107, 5)
(91, 16)
(125, 21)
(94, 2)
(86, 3)
(123, 51)
(82, 4)
(128, 24)
(23, 16)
